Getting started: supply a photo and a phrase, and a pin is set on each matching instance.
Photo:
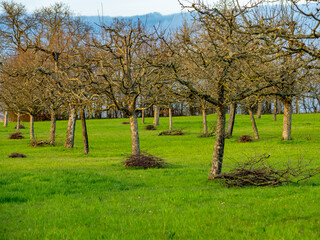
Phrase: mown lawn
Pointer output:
(58, 193)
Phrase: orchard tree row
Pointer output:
(228, 54)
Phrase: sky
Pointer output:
(110, 7)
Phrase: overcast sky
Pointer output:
(110, 7)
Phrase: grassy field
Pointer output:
(58, 193)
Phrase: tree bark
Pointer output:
(298, 106)
(254, 125)
(5, 120)
(218, 150)
(53, 127)
(71, 128)
(287, 119)
(156, 115)
(32, 127)
(259, 110)
(18, 121)
(142, 116)
(275, 105)
(204, 121)
(170, 118)
(135, 145)
(232, 116)
(84, 131)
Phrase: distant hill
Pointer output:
(172, 21)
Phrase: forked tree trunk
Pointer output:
(32, 127)
(287, 115)
(135, 145)
(142, 116)
(232, 116)
(71, 128)
(218, 150)
(259, 110)
(53, 127)
(84, 131)
(275, 105)
(156, 115)
(18, 121)
(170, 118)
(204, 121)
(254, 125)
(5, 120)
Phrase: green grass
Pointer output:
(58, 193)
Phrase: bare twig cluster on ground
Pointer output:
(172, 132)
(37, 143)
(150, 127)
(144, 160)
(17, 155)
(16, 135)
(20, 127)
(256, 172)
(245, 138)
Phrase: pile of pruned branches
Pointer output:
(16, 135)
(172, 132)
(37, 143)
(245, 138)
(144, 160)
(17, 155)
(20, 126)
(257, 172)
(150, 127)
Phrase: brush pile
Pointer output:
(245, 138)
(17, 155)
(16, 135)
(257, 172)
(143, 160)
(150, 127)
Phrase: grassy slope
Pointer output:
(57, 193)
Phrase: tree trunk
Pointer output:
(253, 122)
(204, 121)
(18, 121)
(298, 106)
(259, 110)
(170, 118)
(5, 120)
(134, 134)
(287, 114)
(156, 115)
(232, 116)
(142, 116)
(71, 128)
(219, 143)
(275, 104)
(84, 131)
(32, 127)
(53, 127)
